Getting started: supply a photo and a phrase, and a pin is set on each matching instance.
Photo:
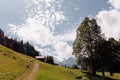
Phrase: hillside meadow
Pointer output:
(13, 65)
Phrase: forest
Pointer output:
(19, 46)
(23, 48)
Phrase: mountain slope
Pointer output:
(13, 64)
(17, 66)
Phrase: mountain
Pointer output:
(68, 62)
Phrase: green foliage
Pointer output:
(88, 34)
(94, 51)
(49, 59)
(108, 52)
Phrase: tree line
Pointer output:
(23, 48)
(18, 46)
(93, 51)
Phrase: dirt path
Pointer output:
(31, 74)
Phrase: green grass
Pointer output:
(116, 76)
(12, 65)
(50, 72)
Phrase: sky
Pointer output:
(50, 25)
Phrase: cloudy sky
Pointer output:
(50, 24)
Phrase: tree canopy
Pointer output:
(93, 50)
(88, 34)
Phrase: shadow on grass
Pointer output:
(96, 77)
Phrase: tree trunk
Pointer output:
(103, 72)
(102, 63)
(93, 63)
(93, 66)
(111, 73)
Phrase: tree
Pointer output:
(114, 55)
(88, 34)
(30, 50)
(19, 46)
(2, 37)
(49, 59)
(101, 51)
(108, 52)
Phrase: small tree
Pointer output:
(49, 59)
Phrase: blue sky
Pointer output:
(50, 24)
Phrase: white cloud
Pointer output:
(48, 2)
(38, 28)
(109, 20)
(63, 50)
(115, 3)
(70, 36)
(33, 31)
(59, 16)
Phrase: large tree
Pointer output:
(88, 34)
(109, 55)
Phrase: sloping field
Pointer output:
(15, 66)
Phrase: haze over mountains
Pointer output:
(68, 62)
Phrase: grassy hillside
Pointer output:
(13, 65)
(50, 72)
